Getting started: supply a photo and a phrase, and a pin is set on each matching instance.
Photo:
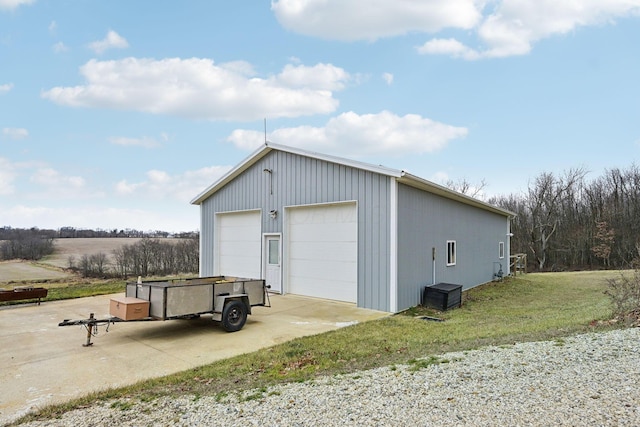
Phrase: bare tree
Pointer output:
(544, 200)
(31, 244)
(155, 257)
(98, 263)
(465, 187)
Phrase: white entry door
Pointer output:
(273, 262)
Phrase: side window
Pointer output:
(501, 250)
(451, 252)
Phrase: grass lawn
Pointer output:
(61, 289)
(74, 288)
(539, 306)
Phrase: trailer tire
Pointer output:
(234, 316)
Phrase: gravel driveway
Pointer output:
(586, 380)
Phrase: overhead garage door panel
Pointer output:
(323, 251)
(238, 244)
(328, 214)
(342, 251)
(239, 233)
(328, 271)
(333, 232)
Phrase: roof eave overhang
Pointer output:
(401, 176)
(423, 184)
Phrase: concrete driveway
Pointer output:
(42, 363)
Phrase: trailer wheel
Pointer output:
(234, 316)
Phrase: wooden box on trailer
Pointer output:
(128, 308)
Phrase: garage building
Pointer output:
(327, 227)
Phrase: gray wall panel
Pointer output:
(426, 221)
(299, 180)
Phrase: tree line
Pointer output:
(9, 233)
(564, 222)
(147, 257)
(25, 244)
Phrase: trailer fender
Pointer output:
(223, 299)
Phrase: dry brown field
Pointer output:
(76, 248)
(18, 271)
(52, 267)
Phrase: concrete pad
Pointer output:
(42, 363)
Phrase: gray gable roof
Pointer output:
(401, 176)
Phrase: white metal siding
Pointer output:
(239, 245)
(323, 251)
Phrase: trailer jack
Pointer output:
(91, 325)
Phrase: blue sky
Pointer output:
(115, 114)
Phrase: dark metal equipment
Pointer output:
(23, 293)
(442, 296)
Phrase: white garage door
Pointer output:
(323, 251)
(238, 244)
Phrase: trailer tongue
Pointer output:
(228, 299)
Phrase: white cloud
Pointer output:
(51, 178)
(353, 135)
(82, 206)
(249, 140)
(45, 182)
(160, 185)
(451, 47)
(53, 26)
(502, 27)
(145, 141)
(198, 88)
(113, 40)
(20, 216)
(171, 219)
(373, 19)
(515, 25)
(388, 78)
(15, 133)
(4, 88)
(59, 47)
(242, 68)
(7, 176)
(13, 4)
(320, 76)
(54, 185)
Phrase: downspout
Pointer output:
(393, 245)
(200, 240)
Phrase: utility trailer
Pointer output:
(228, 299)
